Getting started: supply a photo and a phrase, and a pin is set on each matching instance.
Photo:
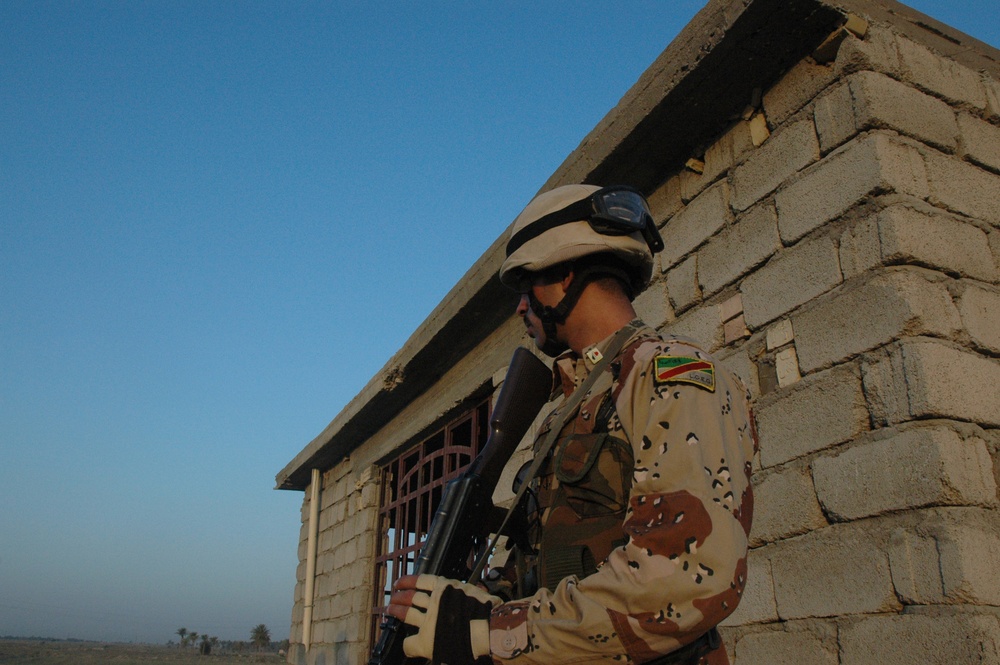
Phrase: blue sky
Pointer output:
(217, 222)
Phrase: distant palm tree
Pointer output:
(193, 637)
(182, 633)
(260, 636)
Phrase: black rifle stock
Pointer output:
(461, 523)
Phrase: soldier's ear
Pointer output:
(567, 279)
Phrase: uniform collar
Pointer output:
(570, 369)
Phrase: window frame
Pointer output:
(411, 484)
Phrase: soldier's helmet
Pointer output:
(572, 222)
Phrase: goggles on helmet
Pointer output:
(611, 211)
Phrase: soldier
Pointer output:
(640, 501)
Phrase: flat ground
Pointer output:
(35, 652)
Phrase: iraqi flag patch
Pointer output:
(684, 369)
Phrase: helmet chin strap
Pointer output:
(551, 316)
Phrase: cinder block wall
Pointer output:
(343, 591)
(838, 248)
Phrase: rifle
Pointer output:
(461, 523)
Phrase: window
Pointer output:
(412, 485)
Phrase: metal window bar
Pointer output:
(412, 485)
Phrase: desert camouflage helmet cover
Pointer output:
(571, 241)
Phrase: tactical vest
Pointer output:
(582, 490)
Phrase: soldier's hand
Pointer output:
(451, 618)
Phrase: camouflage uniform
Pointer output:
(644, 511)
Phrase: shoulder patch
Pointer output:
(684, 369)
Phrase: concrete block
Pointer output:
(791, 278)
(872, 163)
(968, 543)
(834, 118)
(767, 375)
(759, 131)
(701, 324)
(885, 387)
(994, 240)
(693, 182)
(785, 154)
(926, 236)
(351, 628)
(325, 564)
(370, 495)
(666, 201)
(730, 308)
(796, 89)
(818, 412)
(757, 604)
(875, 101)
(350, 549)
(326, 541)
(940, 76)
(878, 52)
(341, 470)
(780, 647)
(860, 248)
(365, 477)
(354, 507)
(340, 486)
(327, 497)
(737, 360)
(361, 599)
(913, 638)
(785, 505)
(695, 224)
(366, 545)
(992, 438)
(979, 307)
(325, 519)
(925, 378)
(739, 248)
(992, 88)
(682, 284)
(915, 564)
(786, 363)
(963, 188)
(735, 329)
(779, 334)
(728, 151)
(653, 304)
(337, 512)
(841, 569)
(882, 102)
(980, 141)
(947, 556)
(340, 558)
(324, 605)
(912, 469)
(945, 382)
(863, 316)
(856, 25)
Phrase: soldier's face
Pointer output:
(549, 294)
(531, 321)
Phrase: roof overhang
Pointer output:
(695, 89)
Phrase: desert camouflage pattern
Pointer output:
(643, 511)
